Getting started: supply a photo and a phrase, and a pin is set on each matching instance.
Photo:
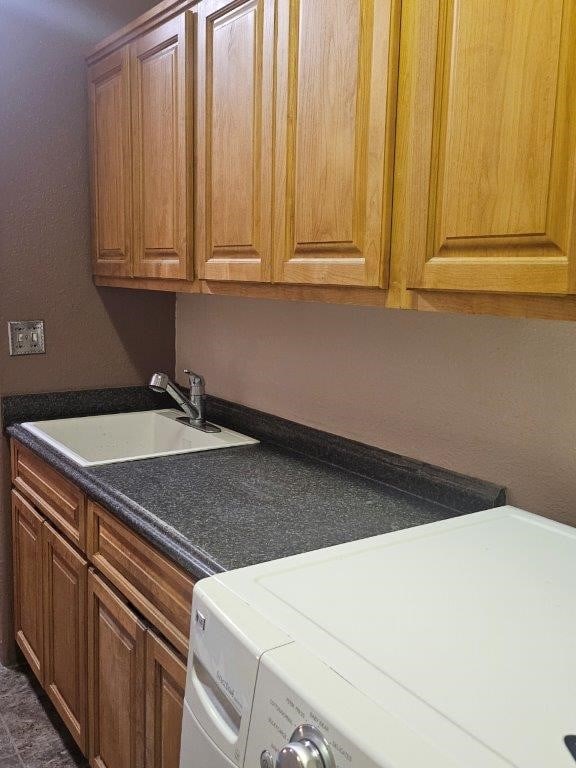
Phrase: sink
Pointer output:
(94, 440)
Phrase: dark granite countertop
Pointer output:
(229, 508)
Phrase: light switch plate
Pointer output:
(26, 337)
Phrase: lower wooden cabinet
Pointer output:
(64, 590)
(165, 686)
(117, 684)
(116, 652)
(27, 563)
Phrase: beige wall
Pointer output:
(94, 338)
(490, 397)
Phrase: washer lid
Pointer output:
(465, 628)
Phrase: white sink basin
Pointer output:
(95, 440)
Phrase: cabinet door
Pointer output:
(116, 654)
(27, 556)
(162, 167)
(234, 139)
(110, 151)
(165, 686)
(486, 186)
(64, 587)
(335, 91)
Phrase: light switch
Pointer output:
(26, 337)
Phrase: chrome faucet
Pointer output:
(195, 407)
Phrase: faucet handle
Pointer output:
(196, 382)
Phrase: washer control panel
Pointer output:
(289, 725)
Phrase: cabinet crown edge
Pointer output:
(158, 14)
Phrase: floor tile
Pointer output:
(12, 682)
(32, 734)
(6, 746)
(10, 762)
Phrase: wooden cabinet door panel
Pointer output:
(116, 668)
(65, 575)
(487, 146)
(27, 557)
(335, 103)
(110, 150)
(234, 139)
(165, 687)
(162, 167)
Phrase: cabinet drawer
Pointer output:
(160, 590)
(59, 499)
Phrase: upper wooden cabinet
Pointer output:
(400, 154)
(109, 95)
(485, 191)
(331, 98)
(235, 55)
(335, 107)
(141, 154)
(160, 62)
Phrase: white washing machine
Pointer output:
(450, 645)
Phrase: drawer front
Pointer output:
(59, 499)
(160, 590)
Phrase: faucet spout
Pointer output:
(194, 408)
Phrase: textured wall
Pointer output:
(490, 397)
(95, 338)
(6, 636)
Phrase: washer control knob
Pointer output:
(307, 749)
